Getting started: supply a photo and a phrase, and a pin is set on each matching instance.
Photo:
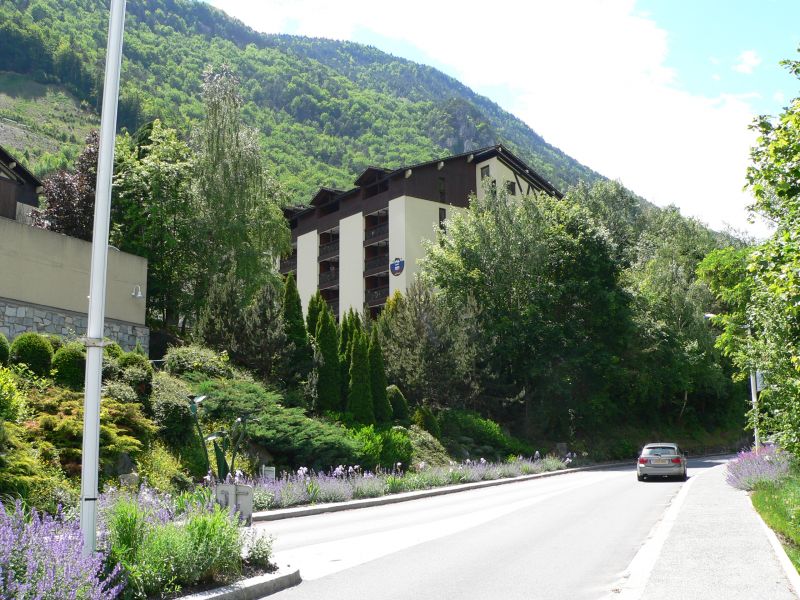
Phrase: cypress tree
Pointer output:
(345, 339)
(359, 397)
(328, 389)
(377, 377)
(295, 328)
(315, 306)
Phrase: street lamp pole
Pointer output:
(90, 458)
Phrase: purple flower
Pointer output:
(750, 468)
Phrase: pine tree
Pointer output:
(345, 339)
(328, 389)
(299, 356)
(220, 323)
(264, 340)
(315, 306)
(359, 397)
(380, 402)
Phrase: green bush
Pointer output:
(20, 471)
(286, 434)
(399, 404)
(111, 369)
(119, 391)
(194, 358)
(484, 433)
(134, 359)
(56, 341)
(141, 381)
(5, 350)
(170, 400)
(160, 559)
(113, 350)
(58, 420)
(370, 445)
(33, 350)
(12, 402)
(397, 448)
(161, 470)
(423, 417)
(426, 448)
(70, 365)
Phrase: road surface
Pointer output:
(562, 538)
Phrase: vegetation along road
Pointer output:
(561, 537)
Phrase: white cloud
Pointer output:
(716, 77)
(588, 75)
(779, 97)
(748, 61)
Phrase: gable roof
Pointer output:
(20, 172)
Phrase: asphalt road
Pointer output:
(562, 538)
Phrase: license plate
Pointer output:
(660, 461)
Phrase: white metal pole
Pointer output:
(754, 399)
(97, 287)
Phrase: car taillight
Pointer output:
(676, 461)
(642, 461)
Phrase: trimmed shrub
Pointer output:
(371, 446)
(484, 433)
(120, 391)
(134, 359)
(141, 381)
(5, 350)
(70, 365)
(198, 359)
(113, 350)
(170, 400)
(56, 341)
(423, 417)
(398, 403)
(397, 448)
(33, 350)
(426, 448)
(12, 402)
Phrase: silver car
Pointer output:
(662, 459)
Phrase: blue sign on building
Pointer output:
(397, 265)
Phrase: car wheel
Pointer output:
(640, 477)
(685, 476)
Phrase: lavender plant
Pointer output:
(41, 556)
(754, 467)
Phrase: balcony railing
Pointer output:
(329, 276)
(289, 264)
(377, 294)
(328, 250)
(377, 261)
(376, 231)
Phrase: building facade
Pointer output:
(358, 246)
(44, 276)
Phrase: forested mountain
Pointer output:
(326, 109)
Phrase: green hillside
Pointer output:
(327, 109)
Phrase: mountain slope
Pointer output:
(327, 109)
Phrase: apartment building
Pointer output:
(358, 246)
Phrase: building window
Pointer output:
(442, 218)
(485, 172)
(440, 188)
(511, 188)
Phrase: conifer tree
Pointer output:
(377, 375)
(359, 397)
(299, 355)
(263, 344)
(315, 306)
(328, 389)
(220, 323)
(345, 339)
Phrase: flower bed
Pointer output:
(348, 483)
(768, 464)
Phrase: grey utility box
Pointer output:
(238, 497)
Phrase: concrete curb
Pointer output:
(318, 509)
(252, 588)
(783, 558)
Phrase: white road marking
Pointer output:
(631, 584)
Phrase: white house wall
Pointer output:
(351, 263)
(307, 266)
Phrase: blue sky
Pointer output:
(656, 93)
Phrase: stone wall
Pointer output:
(17, 317)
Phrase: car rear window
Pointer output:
(658, 450)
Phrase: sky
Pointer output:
(658, 94)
